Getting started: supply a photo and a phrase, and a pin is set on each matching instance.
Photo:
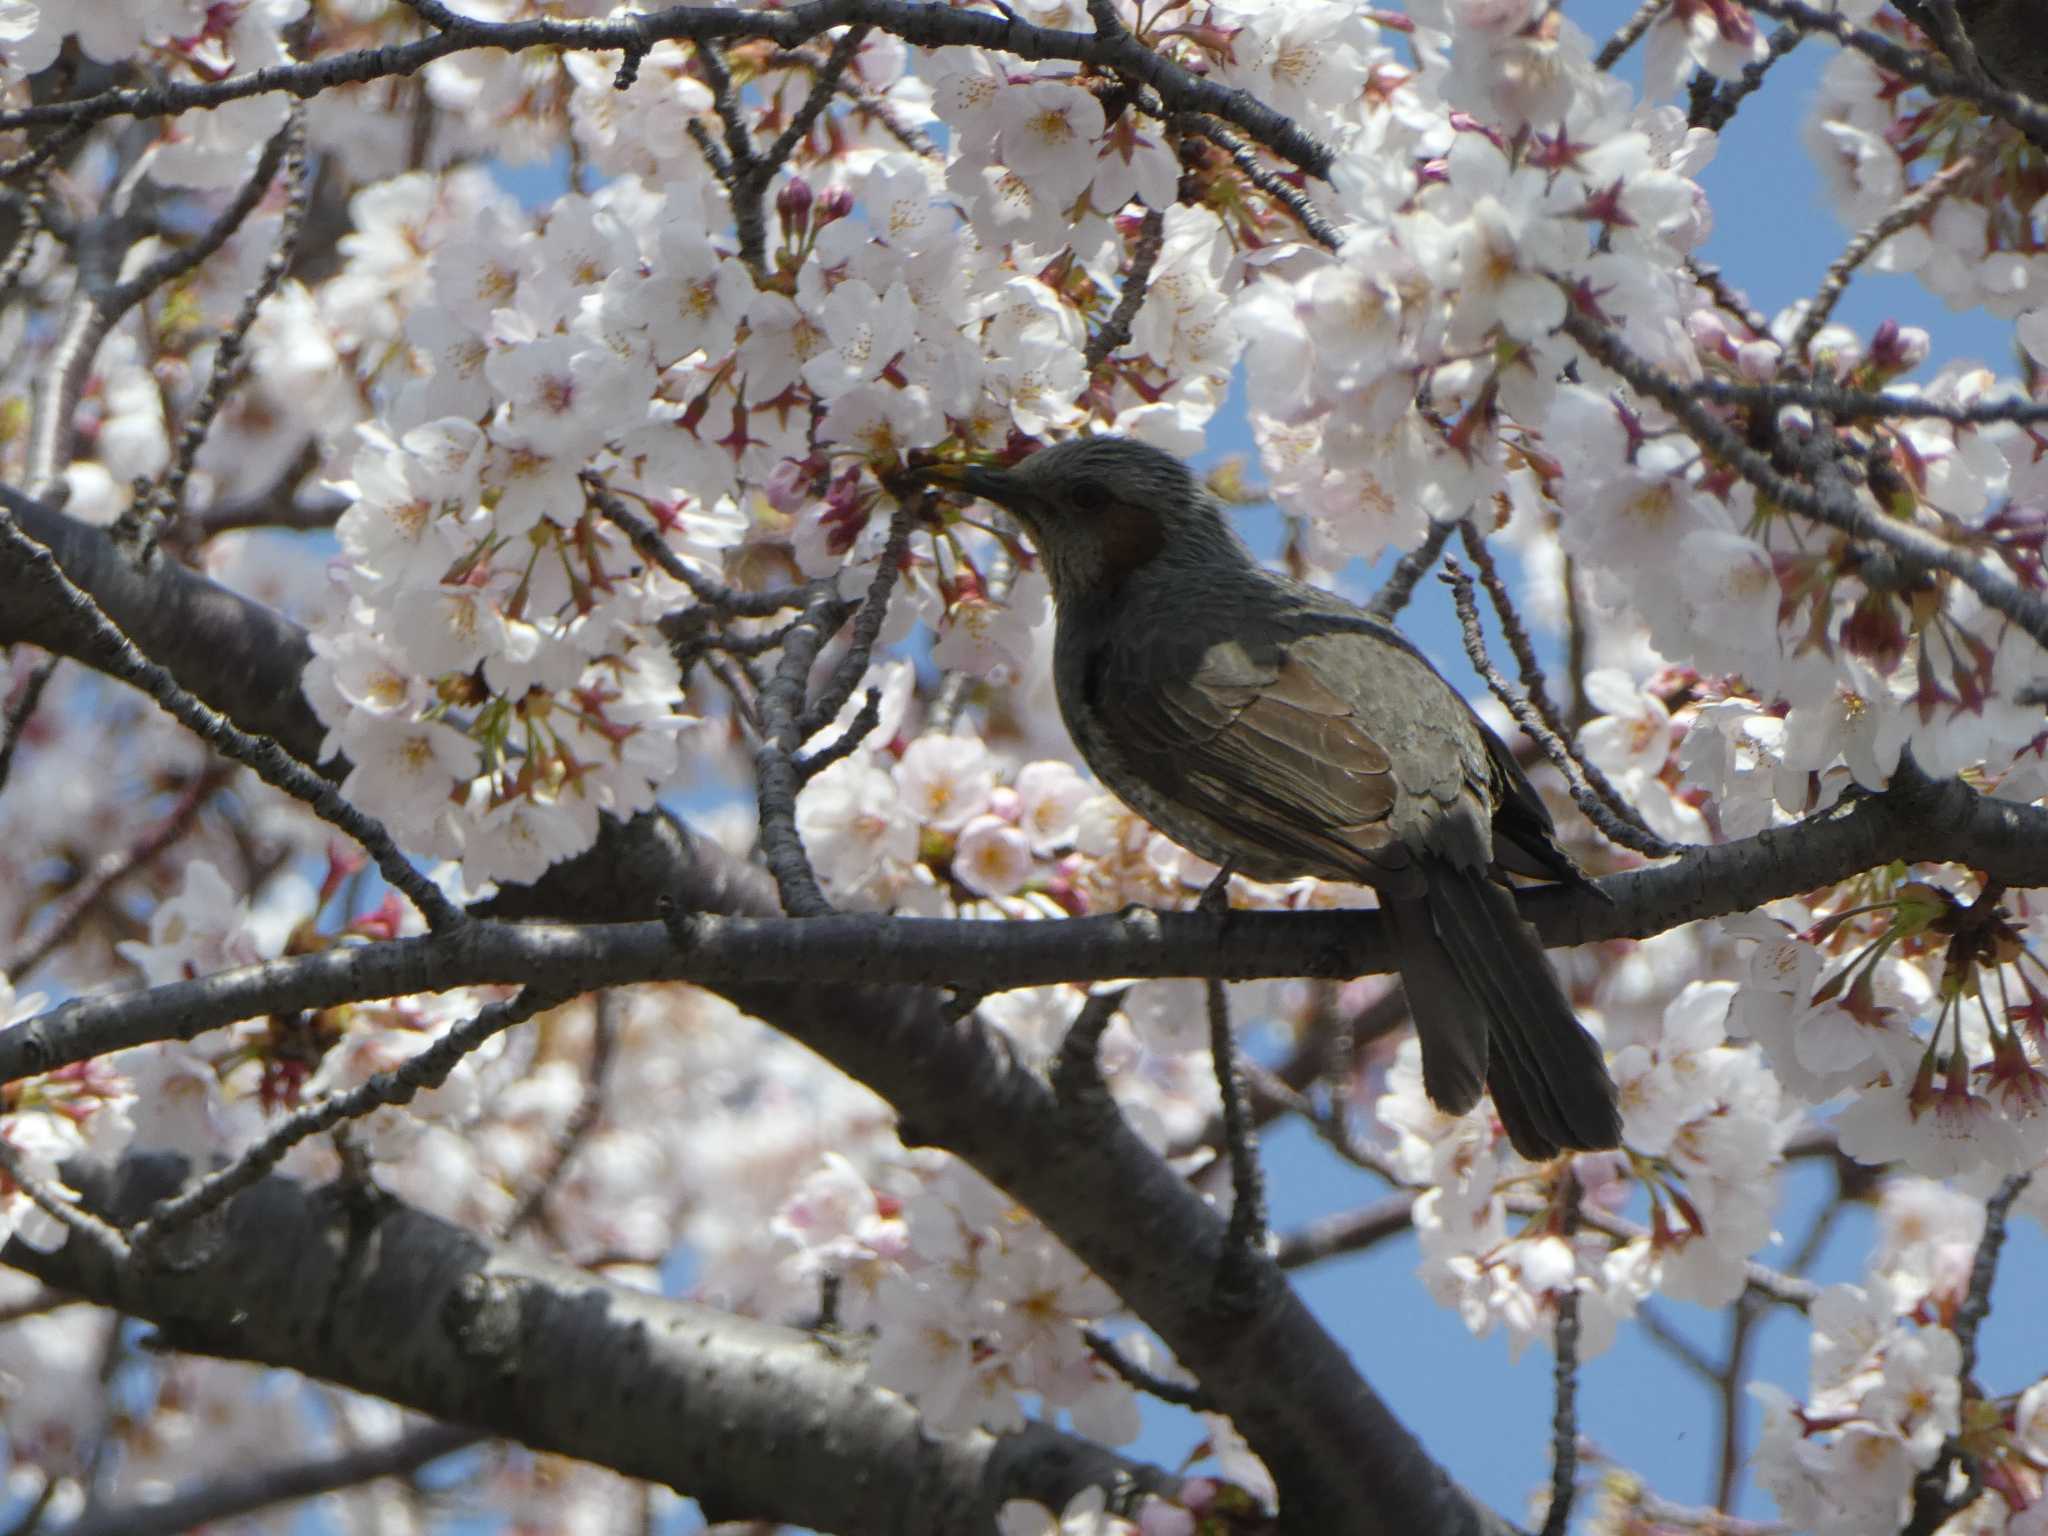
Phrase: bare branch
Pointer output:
(1564, 1418)
(1921, 69)
(777, 776)
(1910, 209)
(1618, 822)
(1246, 1233)
(1391, 598)
(1267, 180)
(247, 1493)
(1860, 405)
(1719, 109)
(867, 629)
(20, 712)
(59, 1206)
(1914, 820)
(227, 357)
(1181, 1394)
(400, 1085)
(116, 867)
(603, 1036)
(1626, 36)
(1932, 1505)
(1116, 330)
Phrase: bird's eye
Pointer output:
(1090, 496)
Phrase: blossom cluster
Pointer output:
(1887, 1397)
(1703, 1132)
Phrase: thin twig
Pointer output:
(1612, 825)
(1393, 596)
(1918, 549)
(2024, 113)
(1910, 210)
(776, 774)
(1564, 1418)
(1245, 1235)
(867, 629)
(22, 712)
(1536, 690)
(1267, 180)
(1719, 110)
(55, 1204)
(111, 870)
(1625, 38)
(1116, 330)
(646, 538)
(603, 1034)
(229, 1497)
(227, 355)
(1715, 285)
(1932, 1506)
(1181, 1394)
(1862, 405)
(829, 76)
(35, 208)
(1332, 1237)
(1076, 1070)
(791, 26)
(1688, 1354)
(400, 1085)
(113, 652)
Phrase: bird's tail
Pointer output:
(1488, 1008)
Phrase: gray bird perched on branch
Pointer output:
(1279, 731)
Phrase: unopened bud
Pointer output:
(1708, 332)
(793, 203)
(1757, 361)
(1899, 348)
(835, 204)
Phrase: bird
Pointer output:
(1277, 730)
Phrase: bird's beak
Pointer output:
(996, 485)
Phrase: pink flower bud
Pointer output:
(1757, 361)
(793, 203)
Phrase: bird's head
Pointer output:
(1097, 508)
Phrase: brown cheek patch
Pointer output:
(1128, 537)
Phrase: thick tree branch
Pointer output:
(362, 1290)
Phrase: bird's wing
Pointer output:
(1524, 837)
(1274, 742)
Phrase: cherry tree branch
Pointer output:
(360, 1289)
(1917, 820)
(917, 22)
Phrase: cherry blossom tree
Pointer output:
(579, 952)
